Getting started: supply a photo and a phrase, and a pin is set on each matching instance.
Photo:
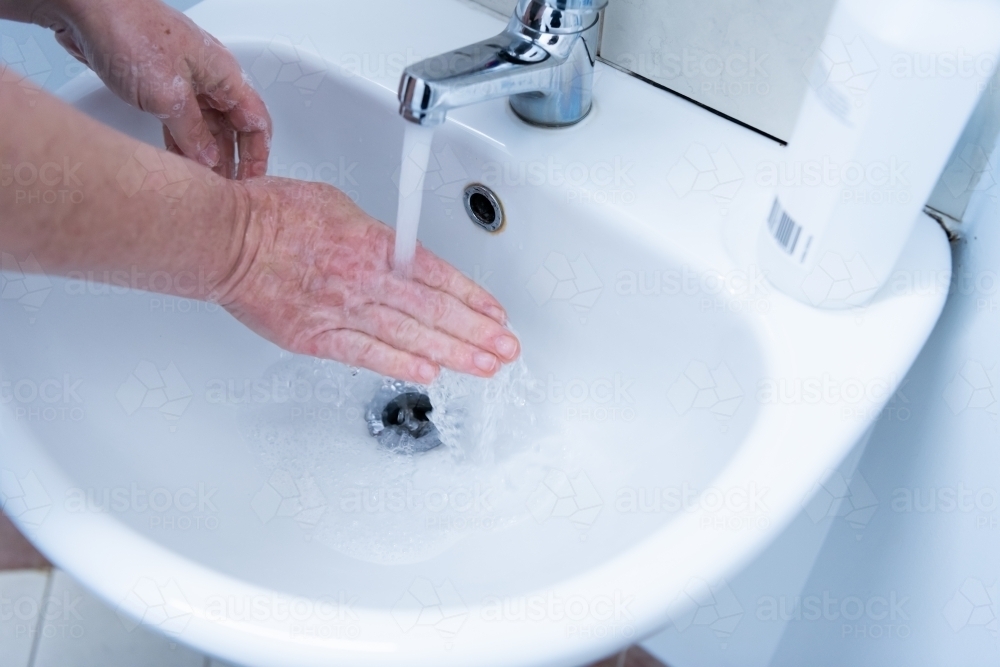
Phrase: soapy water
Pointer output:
(413, 169)
(362, 500)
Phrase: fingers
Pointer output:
(254, 153)
(435, 272)
(190, 132)
(439, 310)
(405, 333)
(225, 137)
(170, 144)
(229, 91)
(359, 349)
(68, 42)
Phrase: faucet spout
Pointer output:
(543, 61)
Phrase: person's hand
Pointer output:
(315, 276)
(158, 60)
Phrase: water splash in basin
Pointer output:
(392, 504)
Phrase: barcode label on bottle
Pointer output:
(786, 231)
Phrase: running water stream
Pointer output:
(413, 168)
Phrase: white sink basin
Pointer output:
(553, 552)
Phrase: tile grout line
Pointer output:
(40, 624)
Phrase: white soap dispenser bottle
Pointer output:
(890, 91)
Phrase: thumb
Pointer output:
(69, 42)
(190, 132)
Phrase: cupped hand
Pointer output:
(315, 277)
(157, 59)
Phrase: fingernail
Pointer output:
(484, 361)
(427, 372)
(210, 156)
(506, 346)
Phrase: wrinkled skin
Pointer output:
(158, 60)
(305, 267)
(315, 276)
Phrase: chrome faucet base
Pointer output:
(532, 119)
(543, 61)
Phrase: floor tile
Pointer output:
(633, 657)
(80, 631)
(21, 594)
(15, 551)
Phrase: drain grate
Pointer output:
(398, 416)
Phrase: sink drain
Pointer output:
(398, 416)
(483, 207)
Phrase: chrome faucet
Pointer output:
(543, 61)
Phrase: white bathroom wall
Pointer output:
(969, 162)
(744, 59)
(503, 7)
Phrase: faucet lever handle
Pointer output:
(560, 17)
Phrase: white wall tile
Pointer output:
(505, 7)
(21, 593)
(969, 169)
(703, 49)
(81, 631)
